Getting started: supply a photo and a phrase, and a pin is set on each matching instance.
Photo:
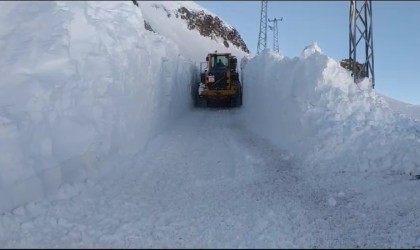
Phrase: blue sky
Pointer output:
(396, 35)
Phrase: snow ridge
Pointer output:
(311, 107)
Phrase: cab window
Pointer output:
(220, 62)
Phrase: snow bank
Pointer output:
(81, 81)
(310, 106)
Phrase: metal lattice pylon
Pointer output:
(275, 30)
(361, 29)
(262, 38)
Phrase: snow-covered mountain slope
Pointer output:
(399, 106)
(194, 29)
(310, 106)
(84, 82)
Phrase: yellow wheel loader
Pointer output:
(219, 82)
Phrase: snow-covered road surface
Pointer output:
(207, 182)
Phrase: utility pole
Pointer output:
(275, 30)
(361, 29)
(262, 38)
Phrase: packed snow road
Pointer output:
(205, 182)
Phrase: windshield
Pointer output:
(219, 62)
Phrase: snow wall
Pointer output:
(309, 106)
(81, 81)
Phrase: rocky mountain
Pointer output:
(196, 30)
(212, 26)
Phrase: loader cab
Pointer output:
(219, 62)
(217, 76)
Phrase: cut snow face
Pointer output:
(85, 81)
(311, 107)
